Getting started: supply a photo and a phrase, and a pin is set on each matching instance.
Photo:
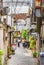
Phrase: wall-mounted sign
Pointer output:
(38, 12)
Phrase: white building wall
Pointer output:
(28, 23)
(9, 21)
(2, 44)
(1, 39)
(20, 25)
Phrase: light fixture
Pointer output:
(37, 2)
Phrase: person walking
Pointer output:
(18, 42)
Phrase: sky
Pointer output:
(17, 0)
(19, 7)
(22, 9)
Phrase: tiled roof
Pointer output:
(19, 16)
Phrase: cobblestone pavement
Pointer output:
(21, 57)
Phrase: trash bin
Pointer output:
(41, 58)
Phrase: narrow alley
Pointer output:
(22, 57)
(21, 32)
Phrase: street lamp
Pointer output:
(39, 23)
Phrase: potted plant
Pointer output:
(1, 52)
(33, 44)
(34, 54)
(31, 38)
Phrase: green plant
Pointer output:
(34, 54)
(24, 34)
(13, 27)
(10, 50)
(33, 44)
(1, 52)
(31, 38)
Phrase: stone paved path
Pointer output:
(21, 57)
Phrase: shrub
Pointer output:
(1, 52)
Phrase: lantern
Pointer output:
(37, 2)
